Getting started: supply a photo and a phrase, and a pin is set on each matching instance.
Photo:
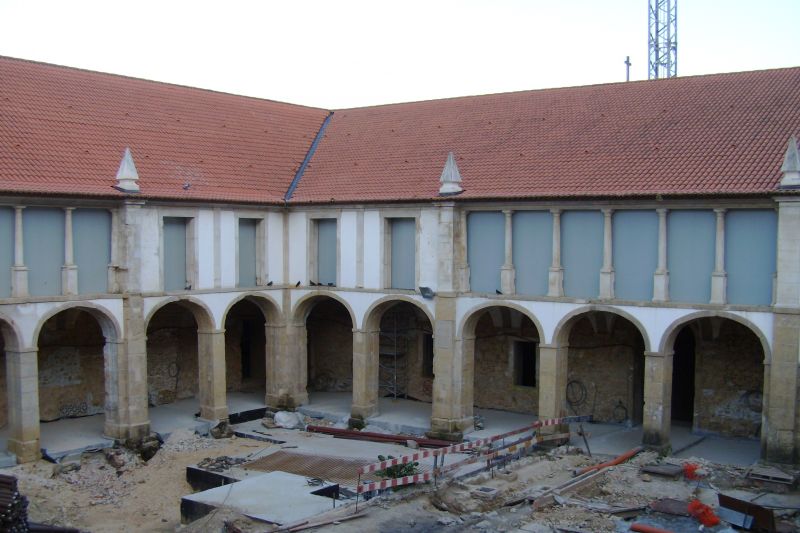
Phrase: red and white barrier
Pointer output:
(396, 482)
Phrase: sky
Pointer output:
(344, 53)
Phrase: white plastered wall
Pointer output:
(373, 244)
(298, 248)
(348, 238)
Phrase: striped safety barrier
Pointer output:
(467, 446)
(396, 482)
(502, 452)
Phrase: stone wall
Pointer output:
(71, 366)
(330, 347)
(172, 360)
(606, 369)
(729, 378)
(244, 327)
(495, 381)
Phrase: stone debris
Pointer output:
(221, 463)
(289, 420)
(223, 430)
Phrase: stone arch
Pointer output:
(466, 327)
(12, 337)
(671, 332)
(9, 342)
(562, 329)
(372, 317)
(267, 304)
(108, 323)
(200, 311)
(303, 306)
(604, 360)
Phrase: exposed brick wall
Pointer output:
(71, 366)
(330, 347)
(245, 315)
(495, 381)
(172, 360)
(606, 365)
(729, 378)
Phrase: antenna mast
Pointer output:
(662, 39)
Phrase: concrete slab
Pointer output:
(276, 497)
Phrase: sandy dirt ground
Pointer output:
(117, 491)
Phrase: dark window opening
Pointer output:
(427, 355)
(247, 330)
(525, 363)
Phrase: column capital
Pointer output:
(658, 354)
(720, 210)
(508, 212)
(69, 208)
(19, 207)
(662, 210)
(607, 211)
(555, 211)
(209, 331)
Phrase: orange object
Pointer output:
(703, 513)
(690, 471)
(620, 459)
(644, 528)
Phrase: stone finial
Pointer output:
(791, 165)
(451, 177)
(127, 174)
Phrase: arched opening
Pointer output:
(605, 368)
(329, 351)
(405, 353)
(72, 370)
(245, 356)
(500, 368)
(4, 415)
(718, 378)
(172, 356)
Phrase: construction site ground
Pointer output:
(115, 490)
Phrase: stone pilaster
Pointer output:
(719, 278)
(661, 275)
(445, 265)
(211, 352)
(507, 272)
(552, 381)
(452, 385)
(365, 374)
(657, 399)
(22, 380)
(607, 272)
(69, 271)
(556, 275)
(113, 265)
(462, 265)
(19, 272)
(287, 364)
(131, 363)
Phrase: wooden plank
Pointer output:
(665, 469)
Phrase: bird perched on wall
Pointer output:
(498, 292)
(269, 284)
(297, 284)
(312, 283)
(331, 284)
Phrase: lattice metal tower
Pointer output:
(663, 39)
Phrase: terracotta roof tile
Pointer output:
(64, 130)
(715, 134)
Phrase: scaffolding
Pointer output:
(393, 355)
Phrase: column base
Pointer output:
(363, 411)
(26, 451)
(214, 413)
(286, 401)
(555, 282)
(607, 284)
(451, 429)
(661, 286)
(124, 432)
(69, 280)
(19, 281)
(507, 278)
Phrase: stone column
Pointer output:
(22, 382)
(507, 273)
(445, 264)
(113, 265)
(113, 377)
(556, 276)
(450, 418)
(132, 371)
(287, 365)
(661, 276)
(69, 271)
(657, 399)
(462, 265)
(211, 351)
(365, 375)
(19, 272)
(552, 381)
(607, 272)
(781, 416)
(719, 278)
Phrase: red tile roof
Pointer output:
(64, 131)
(714, 134)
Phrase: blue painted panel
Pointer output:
(582, 252)
(43, 239)
(6, 250)
(635, 238)
(485, 250)
(750, 239)
(326, 250)
(690, 254)
(174, 254)
(91, 237)
(533, 251)
(247, 252)
(404, 243)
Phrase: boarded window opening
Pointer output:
(247, 252)
(175, 278)
(525, 363)
(403, 240)
(326, 251)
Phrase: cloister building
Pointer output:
(627, 250)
